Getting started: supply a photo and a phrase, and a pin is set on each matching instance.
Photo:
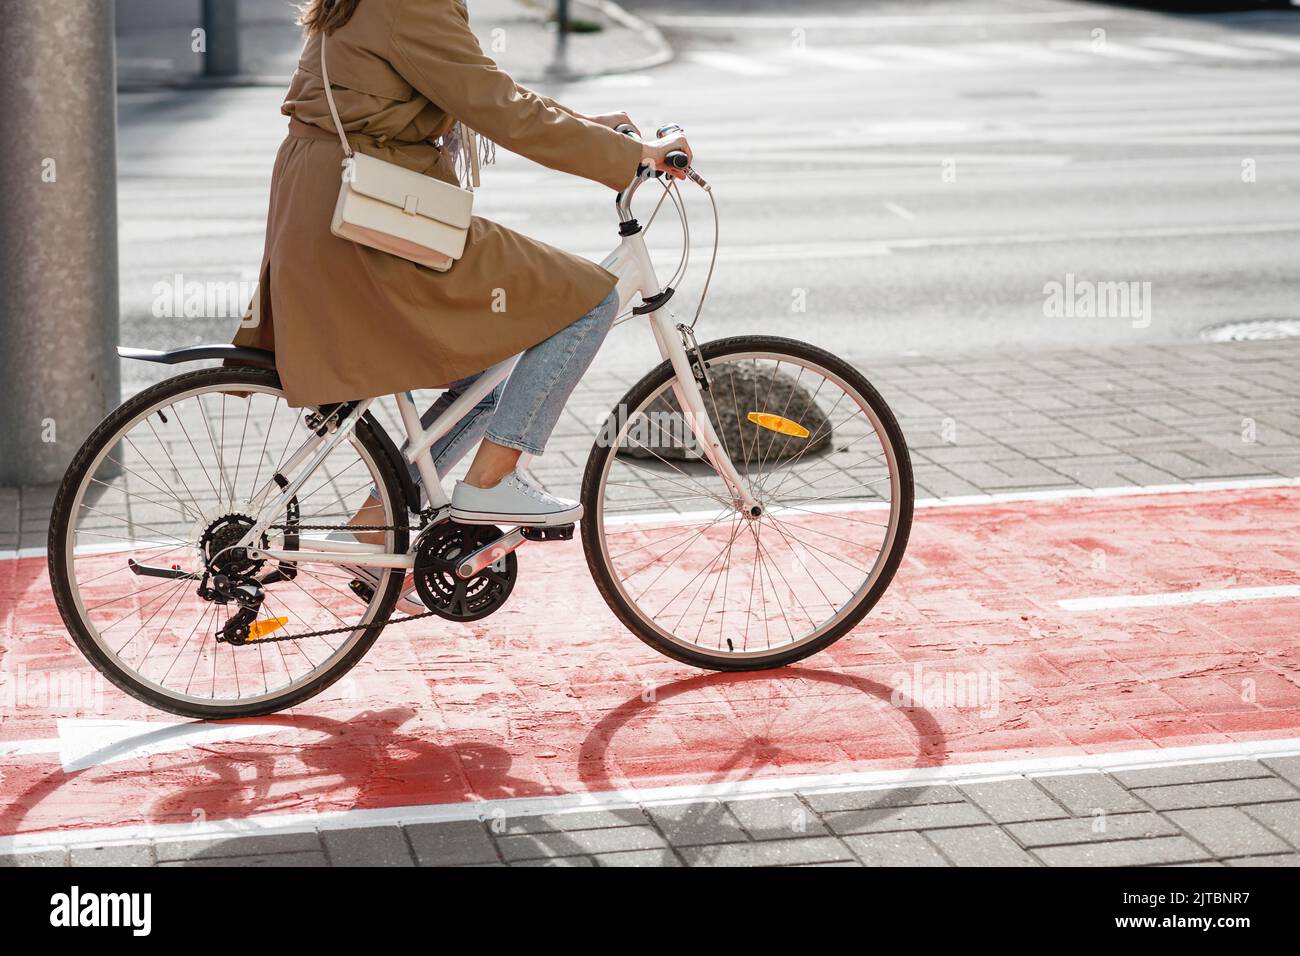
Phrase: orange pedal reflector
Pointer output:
(777, 424)
(262, 628)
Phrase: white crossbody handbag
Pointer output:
(397, 210)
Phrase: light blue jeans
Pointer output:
(522, 411)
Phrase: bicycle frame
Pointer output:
(630, 263)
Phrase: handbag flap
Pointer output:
(411, 192)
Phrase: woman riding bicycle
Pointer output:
(346, 322)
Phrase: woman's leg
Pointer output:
(446, 451)
(534, 396)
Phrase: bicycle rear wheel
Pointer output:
(700, 580)
(150, 509)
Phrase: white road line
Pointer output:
(716, 22)
(1116, 51)
(837, 58)
(1221, 51)
(956, 501)
(734, 63)
(1271, 43)
(514, 807)
(913, 56)
(1029, 52)
(1180, 598)
(898, 210)
(999, 498)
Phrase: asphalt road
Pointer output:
(908, 177)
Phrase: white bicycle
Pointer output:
(746, 504)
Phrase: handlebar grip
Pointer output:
(625, 129)
(677, 159)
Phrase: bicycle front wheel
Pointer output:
(701, 580)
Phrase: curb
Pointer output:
(648, 32)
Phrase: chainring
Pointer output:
(437, 556)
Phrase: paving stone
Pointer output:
(865, 799)
(1227, 831)
(1191, 773)
(1286, 767)
(1278, 859)
(656, 858)
(264, 859)
(579, 820)
(457, 843)
(1083, 794)
(768, 853)
(169, 850)
(1171, 849)
(1282, 818)
(776, 818)
(127, 854)
(557, 861)
(1011, 801)
(687, 824)
(980, 846)
(1099, 829)
(576, 842)
(902, 848)
(367, 846)
(1218, 794)
(905, 818)
(35, 858)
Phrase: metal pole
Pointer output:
(58, 233)
(221, 30)
(559, 66)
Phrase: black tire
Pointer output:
(652, 382)
(63, 586)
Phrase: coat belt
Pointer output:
(307, 131)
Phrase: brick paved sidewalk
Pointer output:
(976, 425)
(1235, 812)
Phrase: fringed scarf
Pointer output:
(468, 151)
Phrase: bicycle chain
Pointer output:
(338, 630)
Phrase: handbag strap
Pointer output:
(469, 145)
(329, 96)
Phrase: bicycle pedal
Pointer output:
(362, 590)
(559, 532)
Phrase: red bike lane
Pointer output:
(1015, 629)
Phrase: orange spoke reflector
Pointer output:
(262, 628)
(778, 424)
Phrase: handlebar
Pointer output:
(676, 159)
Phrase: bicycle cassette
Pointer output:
(437, 556)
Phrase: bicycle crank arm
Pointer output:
(490, 553)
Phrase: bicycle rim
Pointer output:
(704, 582)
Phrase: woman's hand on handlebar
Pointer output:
(655, 152)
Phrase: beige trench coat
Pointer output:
(349, 322)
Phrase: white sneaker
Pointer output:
(513, 500)
(408, 601)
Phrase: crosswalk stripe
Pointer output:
(839, 58)
(1272, 43)
(863, 58)
(912, 55)
(734, 63)
(1118, 51)
(1023, 51)
(1222, 51)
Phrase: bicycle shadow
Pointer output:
(740, 775)
(371, 757)
(367, 755)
